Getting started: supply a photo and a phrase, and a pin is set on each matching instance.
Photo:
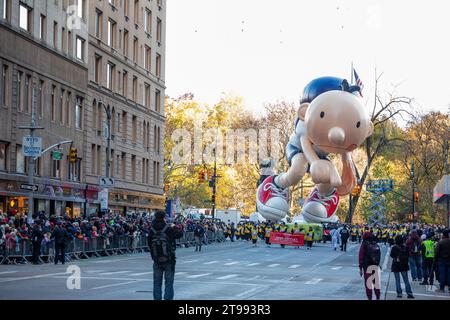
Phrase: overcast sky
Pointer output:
(268, 50)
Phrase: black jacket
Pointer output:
(443, 250)
(399, 255)
(60, 234)
(173, 233)
(37, 235)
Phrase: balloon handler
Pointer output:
(331, 119)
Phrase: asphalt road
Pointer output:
(221, 271)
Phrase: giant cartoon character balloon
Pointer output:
(331, 119)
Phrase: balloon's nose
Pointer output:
(336, 136)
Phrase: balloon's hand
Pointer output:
(323, 171)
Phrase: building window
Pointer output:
(80, 48)
(158, 65)
(148, 21)
(70, 43)
(42, 27)
(154, 173)
(56, 168)
(158, 141)
(74, 170)
(135, 50)
(21, 165)
(147, 96)
(136, 12)
(99, 158)
(123, 165)
(110, 70)
(68, 109)
(61, 107)
(148, 58)
(117, 165)
(158, 100)
(125, 83)
(55, 34)
(98, 23)
(53, 111)
(93, 156)
(111, 33)
(79, 113)
(134, 129)
(133, 168)
(6, 9)
(4, 85)
(28, 94)
(126, 8)
(158, 30)
(148, 136)
(125, 42)
(20, 90)
(81, 8)
(98, 68)
(124, 124)
(25, 17)
(3, 156)
(135, 89)
(63, 40)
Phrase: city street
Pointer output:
(221, 271)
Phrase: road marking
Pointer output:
(189, 261)
(426, 295)
(273, 265)
(141, 274)
(114, 285)
(114, 272)
(5, 272)
(336, 268)
(198, 275)
(231, 263)
(254, 278)
(211, 262)
(313, 281)
(294, 266)
(247, 292)
(180, 273)
(95, 271)
(227, 277)
(33, 277)
(253, 264)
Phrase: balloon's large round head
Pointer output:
(335, 119)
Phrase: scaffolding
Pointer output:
(377, 189)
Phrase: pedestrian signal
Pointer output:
(416, 196)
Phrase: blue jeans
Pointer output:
(168, 272)
(444, 273)
(415, 264)
(405, 280)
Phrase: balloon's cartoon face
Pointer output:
(336, 122)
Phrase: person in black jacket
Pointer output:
(36, 239)
(400, 266)
(161, 241)
(345, 234)
(61, 236)
(199, 235)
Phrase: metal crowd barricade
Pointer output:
(93, 247)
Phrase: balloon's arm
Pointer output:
(348, 175)
(308, 150)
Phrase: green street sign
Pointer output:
(57, 155)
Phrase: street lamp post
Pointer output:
(413, 189)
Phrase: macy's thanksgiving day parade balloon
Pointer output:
(331, 119)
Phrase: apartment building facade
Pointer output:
(126, 80)
(71, 66)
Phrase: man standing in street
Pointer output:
(344, 238)
(36, 239)
(199, 234)
(161, 242)
(428, 248)
(414, 245)
(61, 236)
(442, 255)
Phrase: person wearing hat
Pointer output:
(161, 242)
(36, 240)
(400, 266)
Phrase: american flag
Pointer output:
(358, 82)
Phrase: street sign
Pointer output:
(29, 187)
(57, 155)
(103, 196)
(31, 146)
(107, 182)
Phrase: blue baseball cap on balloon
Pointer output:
(323, 84)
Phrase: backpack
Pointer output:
(373, 254)
(160, 248)
(415, 248)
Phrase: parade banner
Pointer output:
(287, 239)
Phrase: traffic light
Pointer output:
(416, 196)
(201, 175)
(13, 204)
(73, 155)
(356, 190)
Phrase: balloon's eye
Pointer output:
(322, 114)
(358, 124)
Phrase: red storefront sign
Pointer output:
(287, 239)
